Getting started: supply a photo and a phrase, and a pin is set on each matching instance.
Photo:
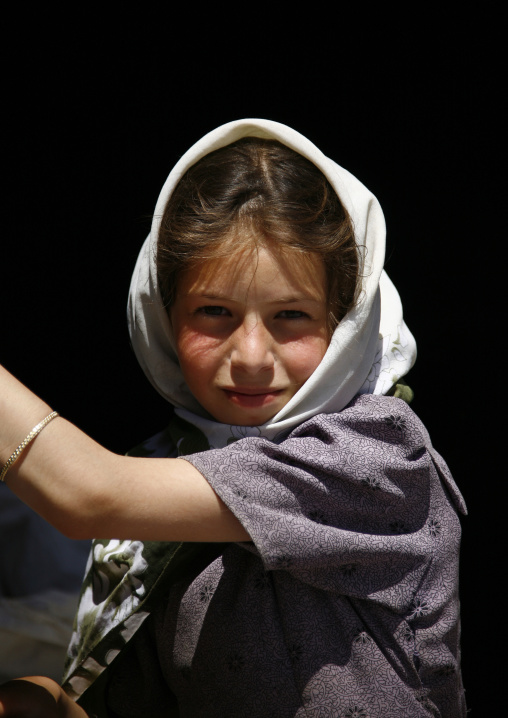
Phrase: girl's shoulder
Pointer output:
(388, 429)
(387, 413)
(385, 418)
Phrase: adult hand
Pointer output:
(36, 697)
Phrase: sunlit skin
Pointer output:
(250, 329)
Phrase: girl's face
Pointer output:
(250, 329)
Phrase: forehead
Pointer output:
(260, 269)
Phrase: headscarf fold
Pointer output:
(371, 348)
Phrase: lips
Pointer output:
(252, 397)
(252, 391)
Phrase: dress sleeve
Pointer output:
(349, 502)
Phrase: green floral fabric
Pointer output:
(123, 581)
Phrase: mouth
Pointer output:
(251, 398)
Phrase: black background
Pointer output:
(96, 117)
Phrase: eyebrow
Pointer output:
(280, 300)
(294, 300)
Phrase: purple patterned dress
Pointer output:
(345, 604)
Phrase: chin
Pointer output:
(252, 420)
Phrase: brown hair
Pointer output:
(275, 194)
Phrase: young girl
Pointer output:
(302, 559)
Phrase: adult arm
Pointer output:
(84, 490)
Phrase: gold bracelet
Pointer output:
(31, 436)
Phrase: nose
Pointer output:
(252, 348)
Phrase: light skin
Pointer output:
(250, 330)
(37, 697)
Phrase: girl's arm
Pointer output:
(85, 490)
(37, 697)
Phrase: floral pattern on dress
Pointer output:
(386, 554)
(344, 604)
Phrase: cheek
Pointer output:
(303, 357)
(196, 351)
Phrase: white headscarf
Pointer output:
(370, 349)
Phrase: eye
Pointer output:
(292, 314)
(213, 311)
